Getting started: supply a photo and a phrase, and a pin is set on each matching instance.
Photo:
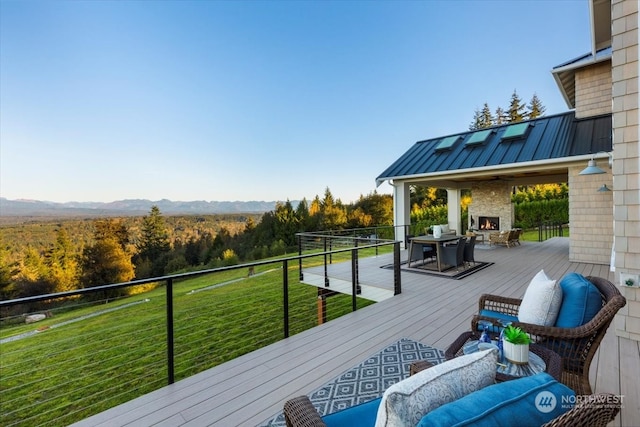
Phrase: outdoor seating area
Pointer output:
(509, 238)
(563, 354)
(577, 332)
(483, 403)
(448, 251)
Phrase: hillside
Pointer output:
(10, 210)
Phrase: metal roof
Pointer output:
(547, 140)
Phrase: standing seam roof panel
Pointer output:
(553, 137)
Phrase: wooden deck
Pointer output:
(251, 389)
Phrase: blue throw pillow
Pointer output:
(581, 301)
(496, 315)
(363, 415)
(528, 401)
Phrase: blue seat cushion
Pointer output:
(528, 401)
(496, 315)
(581, 301)
(363, 415)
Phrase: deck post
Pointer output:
(397, 286)
(170, 350)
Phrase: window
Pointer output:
(479, 137)
(516, 131)
(447, 143)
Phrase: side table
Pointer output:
(552, 359)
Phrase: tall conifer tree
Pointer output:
(536, 109)
(516, 112)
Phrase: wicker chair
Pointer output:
(501, 238)
(514, 237)
(300, 412)
(576, 346)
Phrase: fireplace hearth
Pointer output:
(488, 223)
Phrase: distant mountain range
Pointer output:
(134, 207)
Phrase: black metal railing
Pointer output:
(19, 411)
(549, 229)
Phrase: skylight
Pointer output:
(447, 143)
(515, 131)
(479, 137)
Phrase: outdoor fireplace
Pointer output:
(488, 223)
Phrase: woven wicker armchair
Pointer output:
(502, 238)
(300, 412)
(576, 346)
(514, 236)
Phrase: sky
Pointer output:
(256, 100)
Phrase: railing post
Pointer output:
(540, 231)
(170, 349)
(356, 265)
(354, 280)
(285, 298)
(397, 286)
(326, 271)
(301, 274)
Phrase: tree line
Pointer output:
(516, 112)
(112, 255)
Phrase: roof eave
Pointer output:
(569, 71)
(484, 171)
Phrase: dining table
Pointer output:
(430, 239)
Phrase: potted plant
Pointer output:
(516, 345)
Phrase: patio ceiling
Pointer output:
(531, 152)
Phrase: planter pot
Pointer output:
(516, 353)
(437, 231)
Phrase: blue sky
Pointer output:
(256, 100)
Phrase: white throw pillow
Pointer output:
(406, 402)
(541, 302)
(445, 228)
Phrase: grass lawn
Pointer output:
(72, 370)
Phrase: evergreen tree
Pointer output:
(500, 116)
(286, 223)
(334, 215)
(536, 109)
(62, 262)
(112, 229)
(302, 212)
(516, 112)
(315, 215)
(476, 122)
(154, 244)
(107, 260)
(6, 287)
(486, 120)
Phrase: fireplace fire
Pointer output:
(489, 223)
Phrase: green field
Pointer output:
(79, 366)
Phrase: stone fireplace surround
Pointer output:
(491, 199)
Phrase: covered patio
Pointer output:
(252, 388)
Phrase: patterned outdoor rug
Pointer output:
(369, 379)
(429, 268)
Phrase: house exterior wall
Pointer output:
(626, 160)
(590, 217)
(593, 90)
